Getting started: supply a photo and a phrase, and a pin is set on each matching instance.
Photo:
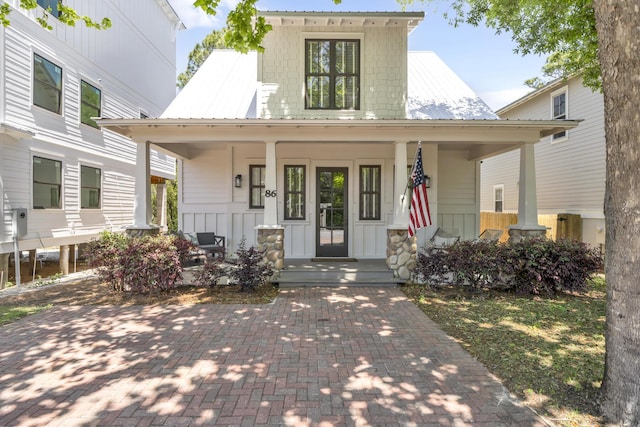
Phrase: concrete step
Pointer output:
(293, 279)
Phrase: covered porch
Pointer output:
(320, 145)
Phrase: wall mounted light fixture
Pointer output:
(427, 181)
(238, 181)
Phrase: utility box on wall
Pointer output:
(20, 222)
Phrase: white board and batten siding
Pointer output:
(570, 172)
(132, 64)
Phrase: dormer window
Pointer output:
(332, 71)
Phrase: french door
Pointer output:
(332, 215)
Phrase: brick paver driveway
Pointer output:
(316, 357)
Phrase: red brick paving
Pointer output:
(316, 357)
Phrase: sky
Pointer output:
(484, 60)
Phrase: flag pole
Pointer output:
(413, 165)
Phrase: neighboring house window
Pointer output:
(47, 183)
(90, 184)
(51, 6)
(559, 108)
(143, 115)
(332, 69)
(256, 186)
(498, 198)
(294, 194)
(370, 192)
(47, 84)
(90, 103)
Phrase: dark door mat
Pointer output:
(334, 260)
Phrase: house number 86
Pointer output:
(270, 193)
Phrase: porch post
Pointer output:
(401, 250)
(527, 225)
(270, 234)
(142, 202)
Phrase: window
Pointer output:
(47, 84)
(256, 186)
(90, 103)
(47, 183)
(559, 108)
(90, 184)
(332, 74)
(370, 192)
(294, 195)
(51, 6)
(498, 198)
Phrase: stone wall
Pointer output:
(401, 253)
(271, 240)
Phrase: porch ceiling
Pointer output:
(482, 138)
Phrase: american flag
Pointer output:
(419, 215)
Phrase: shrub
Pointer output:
(249, 269)
(533, 266)
(139, 264)
(211, 272)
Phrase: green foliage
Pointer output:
(200, 53)
(246, 28)
(9, 314)
(532, 266)
(140, 264)
(67, 15)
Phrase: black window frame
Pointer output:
(84, 186)
(47, 85)
(332, 74)
(375, 204)
(559, 115)
(39, 182)
(96, 110)
(261, 185)
(290, 194)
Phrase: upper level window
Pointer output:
(50, 6)
(559, 106)
(332, 74)
(294, 194)
(90, 103)
(47, 84)
(370, 193)
(256, 186)
(90, 183)
(47, 183)
(498, 198)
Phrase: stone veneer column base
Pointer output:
(518, 233)
(401, 252)
(271, 240)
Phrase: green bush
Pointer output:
(249, 269)
(532, 266)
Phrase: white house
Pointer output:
(67, 178)
(570, 166)
(304, 149)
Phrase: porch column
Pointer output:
(4, 269)
(161, 205)
(527, 225)
(401, 250)
(270, 234)
(63, 260)
(142, 202)
(401, 196)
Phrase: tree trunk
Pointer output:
(619, 55)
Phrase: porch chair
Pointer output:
(490, 234)
(444, 238)
(212, 243)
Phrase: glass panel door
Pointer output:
(332, 215)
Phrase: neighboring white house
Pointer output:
(70, 178)
(570, 166)
(305, 148)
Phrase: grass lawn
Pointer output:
(547, 351)
(10, 314)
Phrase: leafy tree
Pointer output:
(200, 53)
(65, 14)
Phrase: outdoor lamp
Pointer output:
(238, 181)
(427, 181)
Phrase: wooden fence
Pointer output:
(558, 225)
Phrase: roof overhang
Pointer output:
(343, 19)
(482, 138)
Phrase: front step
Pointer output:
(300, 277)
